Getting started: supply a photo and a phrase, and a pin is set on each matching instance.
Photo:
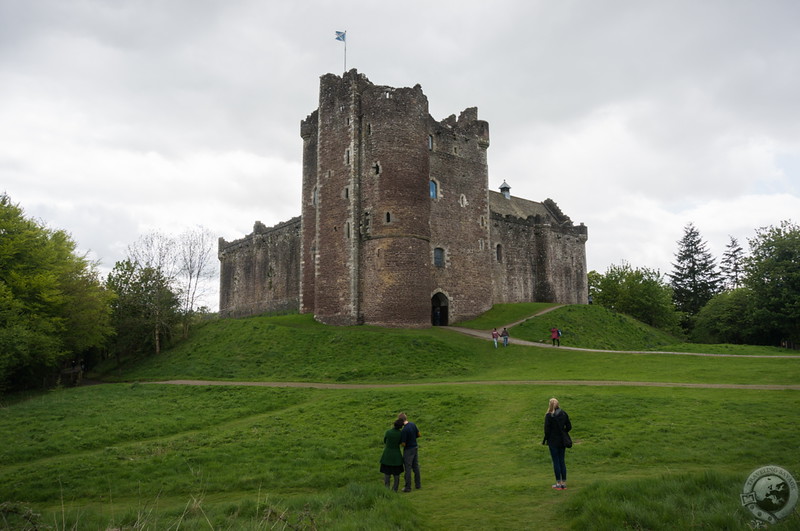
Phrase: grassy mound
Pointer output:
(295, 347)
(591, 326)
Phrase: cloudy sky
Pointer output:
(637, 117)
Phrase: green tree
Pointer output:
(53, 307)
(694, 279)
(641, 293)
(727, 318)
(145, 310)
(772, 273)
(731, 265)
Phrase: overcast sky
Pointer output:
(636, 117)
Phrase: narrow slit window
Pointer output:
(388, 217)
(499, 252)
(438, 257)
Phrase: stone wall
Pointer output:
(260, 272)
(459, 215)
(539, 255)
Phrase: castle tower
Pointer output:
(366, 233)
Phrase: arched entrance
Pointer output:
(439, 306)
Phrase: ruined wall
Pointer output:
(260, 272)
(541, 255)
(459, 214)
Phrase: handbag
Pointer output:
(567, 440)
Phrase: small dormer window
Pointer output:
(505, 189)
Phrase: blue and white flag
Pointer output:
(341, 36)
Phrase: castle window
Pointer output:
(377, 168)
(480, 244)
(462, 200)
(430, 142)
(434, 189)
(438, 257)
(346, 192)
(455, 150)
(388, 217)
(347, 156)
(499, 253)
(314, 196)
(369, 129)
(347, 230)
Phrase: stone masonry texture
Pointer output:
(398, 226)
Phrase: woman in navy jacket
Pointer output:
(556, 424)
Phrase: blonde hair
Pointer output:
(553, 405)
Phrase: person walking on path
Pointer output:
(408, 440)
(556, 428)
(555, 335)
(495, 335)
(392, 458)
(504, 335)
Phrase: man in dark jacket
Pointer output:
(408, 440)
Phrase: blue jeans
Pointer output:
(505, 341)
(411, 461)
(559, 465)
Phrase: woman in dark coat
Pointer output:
(556, 425)
(392, 458)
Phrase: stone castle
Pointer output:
(398, 226)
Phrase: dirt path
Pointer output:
(487, 335)
(320, 385)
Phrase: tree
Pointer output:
(146, 309)
(732, 264)
(772, 273)
(195, 249)
(641, 293)
(727, 318)
(53, 307)
(694, 279)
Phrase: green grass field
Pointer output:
(135, 455)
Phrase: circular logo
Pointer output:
(770, 493)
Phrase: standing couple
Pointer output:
(403, 434)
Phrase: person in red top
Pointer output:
(495, 335)
(555, 335)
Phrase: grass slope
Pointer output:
(149, 456)
(596, 327)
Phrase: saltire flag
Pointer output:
(341, 36)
